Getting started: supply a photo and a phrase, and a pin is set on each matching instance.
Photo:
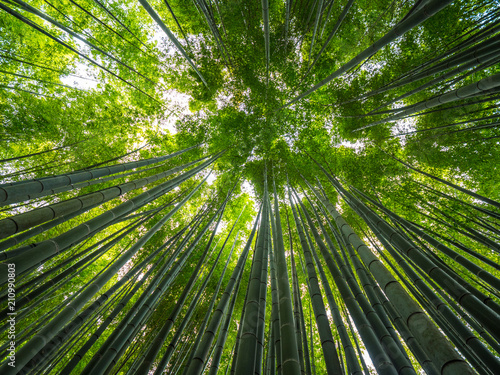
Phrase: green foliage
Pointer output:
(119, 115)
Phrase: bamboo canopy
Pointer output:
(253, 187)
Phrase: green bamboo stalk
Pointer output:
(467, 299)
(246, 360)
(261, 323)
(432, 7)
(341, 18)
(173, 345)
(32, 24)
(470, 266)
(221, 340)
(20, 190)
(328, 346)
(475, 52)
(30, 349)
(108, 358)
(444, 356)
(42, 15)
(171, 36)
(57, 244)
(313, 361)
(403, 330)
(86, 261)
(289, 346)
(307, 359)
(296, 300)
(462, 331)
(240, 329)
(351, 359)
(53, 211)
(315, 29)
(448, 322)
(275, 318)
(265, 16)
(477, 88)
(146, 360)
(199, 356)
(103, 326)
(389, 342)
(481, 62)
(178, 24)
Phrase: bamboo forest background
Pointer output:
(250, 187)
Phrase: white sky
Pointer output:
(84, 70)
(180, 104)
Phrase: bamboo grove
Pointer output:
(325, 202)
